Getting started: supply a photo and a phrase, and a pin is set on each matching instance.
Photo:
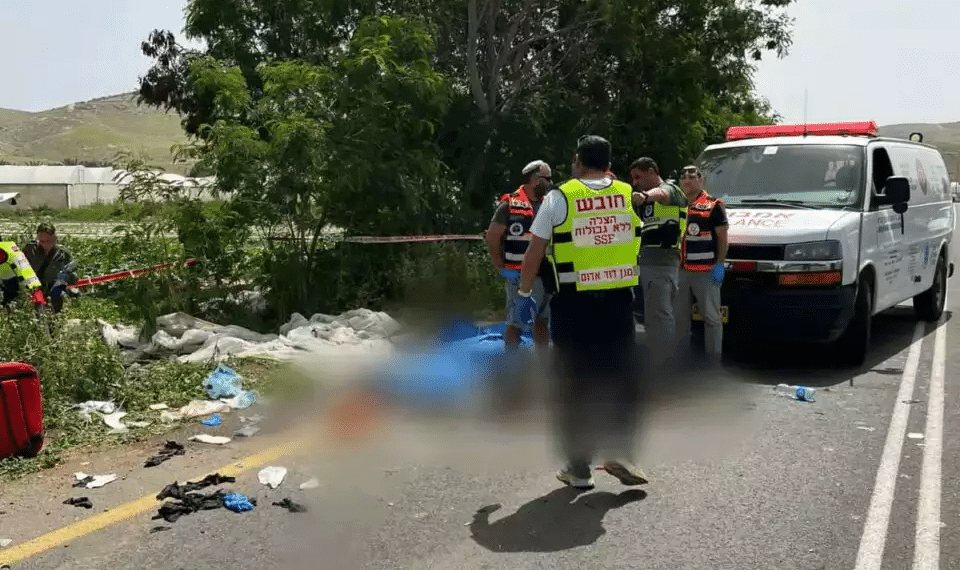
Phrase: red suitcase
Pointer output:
(21, 410)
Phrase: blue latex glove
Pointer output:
(63, 276)
(510, 275)
(212, 421)
(717, 272)
(238, 503)
(525, 308)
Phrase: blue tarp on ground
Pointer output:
(462, 359)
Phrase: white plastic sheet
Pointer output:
(190, 339)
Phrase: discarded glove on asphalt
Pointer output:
(291, 506)
(238, 503)
(169, 450)
(79, 502)
(176, 491)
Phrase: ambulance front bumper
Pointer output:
(760, 306)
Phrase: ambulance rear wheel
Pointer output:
(929, 304)
(853, 345)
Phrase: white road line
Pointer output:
(870, 555)
(926, 555)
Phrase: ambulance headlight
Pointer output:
(813, 251)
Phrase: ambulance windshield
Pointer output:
(795, 175)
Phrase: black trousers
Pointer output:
(598, 386)
(11, 288)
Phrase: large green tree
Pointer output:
(659, 77)
(390, 116)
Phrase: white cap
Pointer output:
(535, 165)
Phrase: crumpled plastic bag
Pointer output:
(222, 383)
(272, 476)
(241, 401)
(105, 408)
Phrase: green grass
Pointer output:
(76, 365)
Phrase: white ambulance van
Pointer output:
(829, 225)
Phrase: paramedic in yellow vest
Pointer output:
(507, 239)
(591, 230)
(662, 208)
(14, 271)
(704, 253)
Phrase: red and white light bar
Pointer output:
(822, 129)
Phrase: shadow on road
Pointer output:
(816, 366)
(562, 519)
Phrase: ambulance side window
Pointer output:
(882, 169)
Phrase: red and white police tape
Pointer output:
(352, 239)
(125, 274)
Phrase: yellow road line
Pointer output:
(128, 510)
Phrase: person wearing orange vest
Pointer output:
(703, 253)
(507, 239)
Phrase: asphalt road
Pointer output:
(860, 479)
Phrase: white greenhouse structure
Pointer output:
(64, 187)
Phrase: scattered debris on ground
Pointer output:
(190, 339)
(190, 503)
(86, 408)
(291, 506)
(5, 542)
(79, 502)
(213, 421)
(272, 476)
(238, 503)
(211, 439)
(159, 529)
(187, 501)
(168, 451)
(93, 481)
(311, 484)
(176, 491)
(247, 431)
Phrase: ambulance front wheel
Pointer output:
(929, 304)
(854, 343)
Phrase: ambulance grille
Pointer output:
(755, 252)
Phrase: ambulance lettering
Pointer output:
(760, 219)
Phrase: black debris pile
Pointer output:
(159, 529)
(188, 501)
(171, 511)
(291, 506)
(176, 491)
(79, 502)
(168, 451)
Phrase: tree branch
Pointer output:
(472, 68)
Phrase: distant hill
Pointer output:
(93, 130)
(96, 130)
(944, 136)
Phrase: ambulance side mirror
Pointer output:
(895, 192)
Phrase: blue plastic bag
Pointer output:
(222, 383)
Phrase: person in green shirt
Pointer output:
(50, 261)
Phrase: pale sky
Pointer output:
(891, 61)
